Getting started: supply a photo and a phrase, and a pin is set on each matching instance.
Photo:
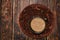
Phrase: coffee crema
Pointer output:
(38, 25)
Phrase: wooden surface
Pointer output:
(58, 17)
(6, 24)
(9, 22)
(20, 5)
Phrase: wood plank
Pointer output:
(6, 20)
(58, 17)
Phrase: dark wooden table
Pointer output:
(9, 23)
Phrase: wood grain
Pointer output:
(6, 20)
(21, 4)
(11, 10)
